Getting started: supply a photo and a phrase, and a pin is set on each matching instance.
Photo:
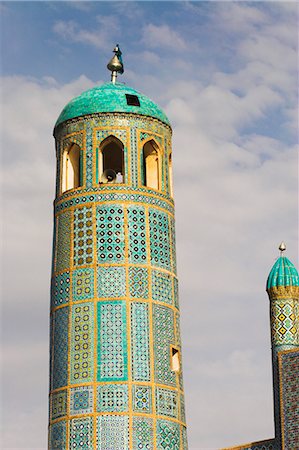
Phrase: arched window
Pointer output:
(175, 359)
(170, 174)
(71, 170)
(111, 161)
(151, 165)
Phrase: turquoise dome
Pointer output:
(283, 273)
(111, 98)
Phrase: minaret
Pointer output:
(283, 291)
(115, 348)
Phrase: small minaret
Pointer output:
(283, 291)
(115, 348)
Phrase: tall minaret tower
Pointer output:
(283, 291)
(115, 350)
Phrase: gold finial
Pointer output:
(115, 64)
(282, 248)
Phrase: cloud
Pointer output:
(163, 36)
(238, 17)
(71, 31)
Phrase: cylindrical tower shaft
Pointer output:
(283, 291)
(116, 378)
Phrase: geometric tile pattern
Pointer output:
(81, 400)
(112, 397)
(58, 435)
(142, 399)
(138, 282)
(163, 338)
(284, 326)
(289, 388)
(177, 330)
(63, 248)
(166, 402)
(159, 239)
(173, 248)
(81, 433)
(58, 404)
(168, 435)
(140, 342)
(113, 433)
(83, 284)
(176, 292)
(111, 282)
(82, 343)
(184, 437)
(182, 409)
(83, 236)
(137, 238)
(110, 234)
(60, 348)
(143, 433)
(60, 289)
(162, 287)
(112, 342)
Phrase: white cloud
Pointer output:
(71, 31)
(163, 36)
(239, 17)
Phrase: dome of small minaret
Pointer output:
(283, 275)
(111, 98)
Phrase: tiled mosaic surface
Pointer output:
(138, 282)
(168, 434)
(110, 234)
(60, 289)
(83, 236)
(141, 370)
(81, 360)
(289, 389)
(111, 282)
(163, 337)
(57, 436)
(83, 284)
(112, 341)
(81, 433)
(142, 398)
(166, 402)
(58, 375)
(81, 400)
(113, 270)
(143, 434)
(112, 398)
(58, 404)
(284, 321)
(62, 249)
(113, 432)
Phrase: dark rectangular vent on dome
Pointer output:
(132, 100)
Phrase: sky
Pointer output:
(226, 75)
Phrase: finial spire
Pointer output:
(282, 248)
(116, 64)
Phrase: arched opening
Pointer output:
(111, 161)
(170, 174)
(151, 165)
(175, 359)
(71, 171)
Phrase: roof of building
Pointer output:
(283, 273)
(111, 98)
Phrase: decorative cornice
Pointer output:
(276, 292)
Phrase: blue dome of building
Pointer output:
(283, 273)
(111, 98)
